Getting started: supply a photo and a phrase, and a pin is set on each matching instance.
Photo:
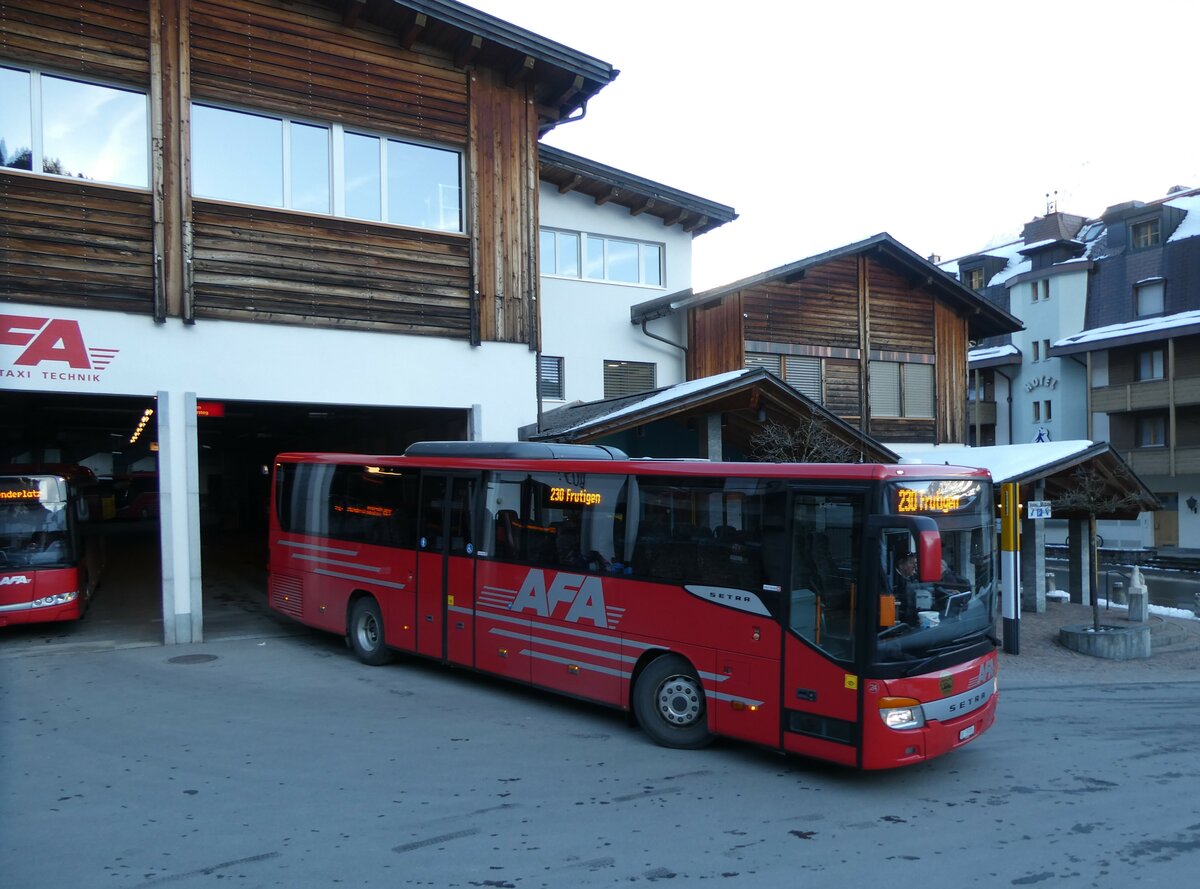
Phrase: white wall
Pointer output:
(1061, 381)
(587, 322)
(274, 362)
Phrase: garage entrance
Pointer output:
(236, 445)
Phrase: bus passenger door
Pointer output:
(820, 693)
(446, 567)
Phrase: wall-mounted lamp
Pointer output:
(1191, 502)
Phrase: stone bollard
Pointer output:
(1053, 593)
(1118, 593)
(1139, 597)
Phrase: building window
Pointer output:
(1047, 413)
(1150, 364)
(1045, 350)
(975, 279)
(550, 377)
(1037, 412)
(902, 390)
(1152, 431)
(1033, 291)
(1146, 234)
(615, 260)
(1036, 348)
(628, 377)
(323, 168)
(802, 372)
(1148, 298)
(1045, 285)
(72, 128)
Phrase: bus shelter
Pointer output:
(1080, 481)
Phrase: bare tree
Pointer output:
(1093, 494)
(809, 441)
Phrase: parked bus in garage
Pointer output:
(49, 566)
(772, 603)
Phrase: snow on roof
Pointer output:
(1190, 227)
(1004, 462)
(992, 352)
(1142, 325)
(1011, 252)
(664, 396)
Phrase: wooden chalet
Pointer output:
(871, 331)
(423, 72)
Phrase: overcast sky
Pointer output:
(943, 123)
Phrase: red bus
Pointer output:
(764, 602)
(47, 567)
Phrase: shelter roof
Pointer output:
(1053, 463)
(746, 399)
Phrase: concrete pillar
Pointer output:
(179, 517)
(1033, 565)
(712, 437)
(1079, 562)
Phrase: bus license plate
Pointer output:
(966, 733)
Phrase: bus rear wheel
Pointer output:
(365, 633)
(668, 701)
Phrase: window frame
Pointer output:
(1157, 365)
(1153, 230)
(903, 398)
(612, 392)
(582, 240)
(1150, 285)
(337, 136)
(975, 278)
(558, 362)
(1156, 425)
(37, 124)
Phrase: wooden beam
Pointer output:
(699, 223)
(467, 51)
(609, 195)
(638, 211)
(351, 10)
(414, 30)
(571, 184)
(521, 70)
(569, 93)
(678, 216)
(795, 276)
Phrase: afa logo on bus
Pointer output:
(50, 341)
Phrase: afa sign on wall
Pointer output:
(50, 351)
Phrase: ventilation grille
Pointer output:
(287, 595)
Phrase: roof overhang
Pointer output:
(562, 79)
(569, 172)
(1144, 330)
(984, 319)
(1055, 465)
(998, 356)
(746, 399)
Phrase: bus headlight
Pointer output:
(56, 599)
(901, 713)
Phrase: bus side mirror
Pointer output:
(924, 531)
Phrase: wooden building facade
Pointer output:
(871, 331)
(424, 76)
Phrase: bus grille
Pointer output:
(287, 595)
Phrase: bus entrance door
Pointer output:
(446, 568)
(820, 695)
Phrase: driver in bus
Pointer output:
(904, 587)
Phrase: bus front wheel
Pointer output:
(668, 701)
(366, 633)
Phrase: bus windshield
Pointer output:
(919, 620)
(33, 522)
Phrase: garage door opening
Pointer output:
(236, 445)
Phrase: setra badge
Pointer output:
(946, 683)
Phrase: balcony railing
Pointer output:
(1145, 395)
(986, 410)
(1157, 461)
